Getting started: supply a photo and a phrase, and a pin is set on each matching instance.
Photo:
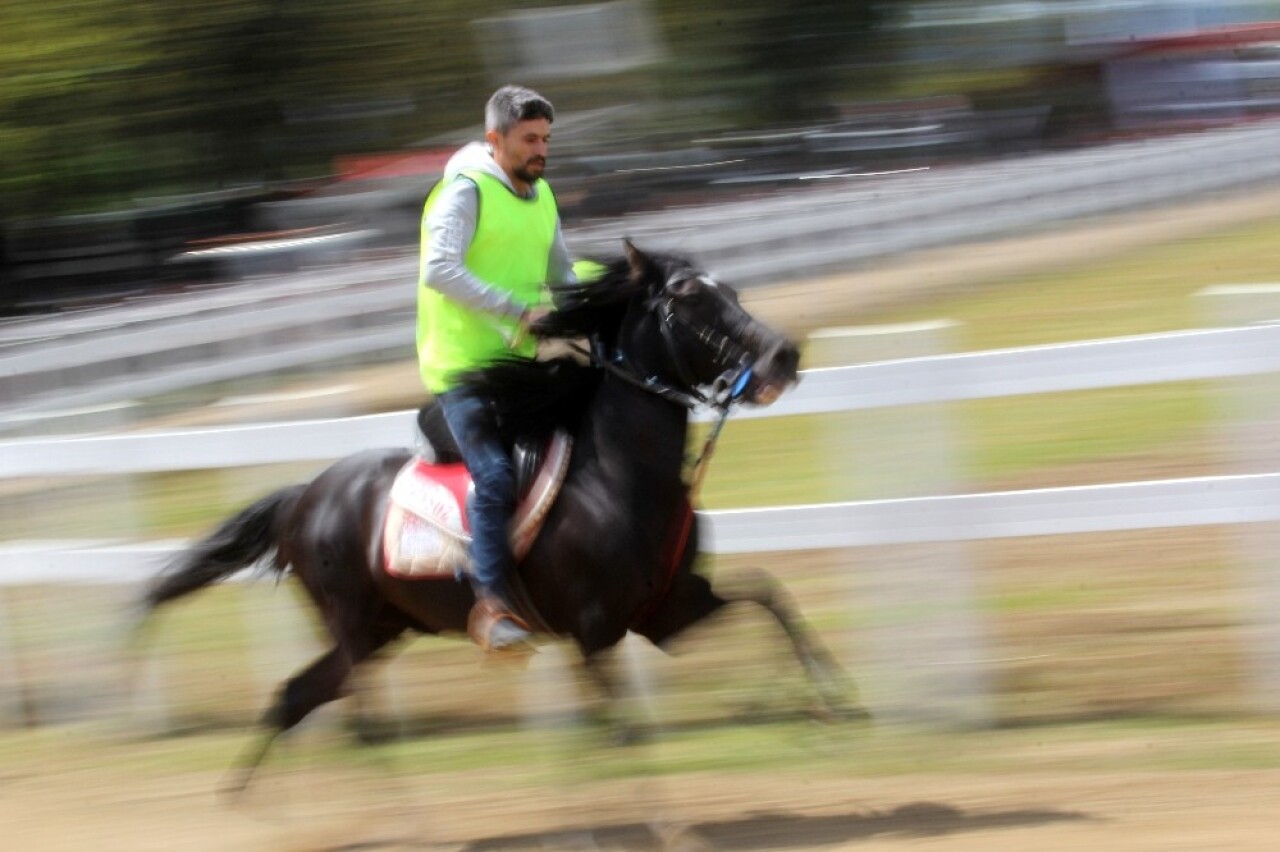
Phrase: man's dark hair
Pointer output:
(512, 104)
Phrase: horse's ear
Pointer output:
(638, 260)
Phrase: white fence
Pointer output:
(1116, 362)
(1183, 356)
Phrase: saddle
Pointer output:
(426, 533)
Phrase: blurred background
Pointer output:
(209, 219)
(136, 134)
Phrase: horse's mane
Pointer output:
(597, 307)
(533, 398)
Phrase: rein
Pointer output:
(619, 366)
(703, 461)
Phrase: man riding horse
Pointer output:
(616, 553)
(491, 243)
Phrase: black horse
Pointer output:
(617, 550)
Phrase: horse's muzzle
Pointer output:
(776, 370)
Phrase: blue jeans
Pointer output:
(475, 428)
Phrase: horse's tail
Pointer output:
(237, 543)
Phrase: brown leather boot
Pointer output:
(495, 628)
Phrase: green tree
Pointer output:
(806, 52)
(771, 62)
(109, 101)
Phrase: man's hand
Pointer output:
(533, 315)
(527, 320)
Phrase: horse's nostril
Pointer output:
(788, 358)
(781, 357)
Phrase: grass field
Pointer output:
(1068, 438)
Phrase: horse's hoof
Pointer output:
(854, 714)
(232, 792)
(374, 735)
(571, 840)
(629, 735)
(832, 714)
(680, 838)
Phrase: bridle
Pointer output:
(724, 350)
(722, 393)
(734, 358)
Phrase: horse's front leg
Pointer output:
(693, 598)
(835, 688)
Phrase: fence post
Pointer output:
(147, 704)
(923, 644)
(1249, 432)
(14, 705)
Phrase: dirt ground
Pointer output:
(1041, 807)
(786, 811)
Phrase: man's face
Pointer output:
(522, 150)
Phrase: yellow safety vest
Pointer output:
(510, 251)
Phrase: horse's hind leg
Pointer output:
(692, 599)
(319, 683)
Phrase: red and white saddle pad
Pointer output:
(426, 533)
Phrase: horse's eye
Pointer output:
(685, 287)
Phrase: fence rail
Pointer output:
(1156, 504)
(1095, 364)
(1179, 356)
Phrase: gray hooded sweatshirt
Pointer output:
(452, 226)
